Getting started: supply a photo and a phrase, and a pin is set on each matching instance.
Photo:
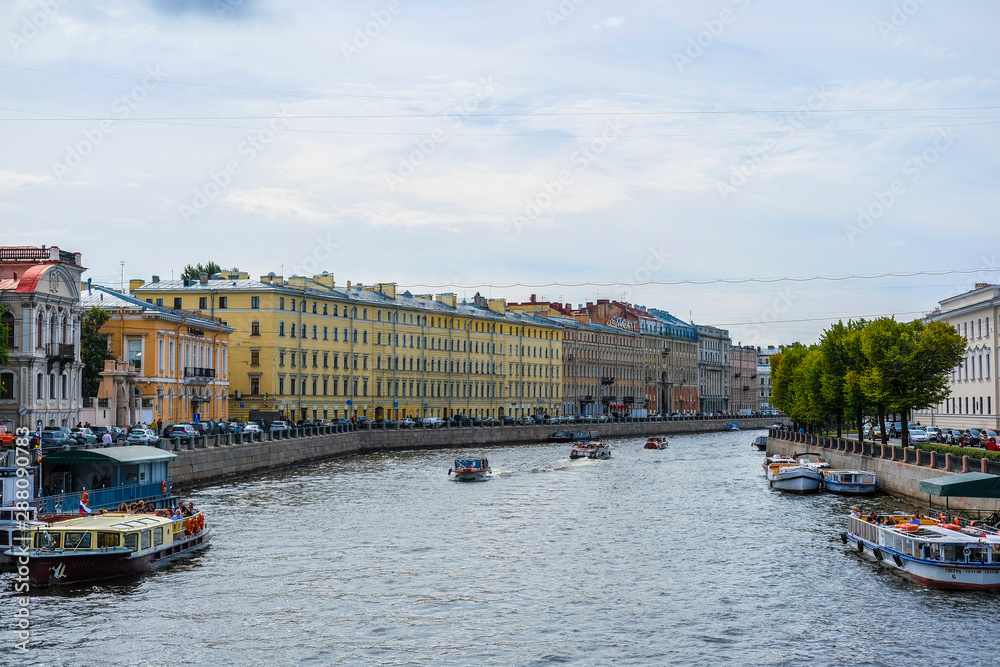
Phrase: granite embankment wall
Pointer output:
(207, 461)
(899, 469)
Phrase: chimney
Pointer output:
(156, 279)
(135, 284)
(982, 285)
(203, 278)
(348, 285)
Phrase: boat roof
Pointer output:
(963, 485)
(126, 454)
(117, 520)
(469, 463)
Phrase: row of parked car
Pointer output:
(970, 437)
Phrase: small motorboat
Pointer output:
(655, 442)
(760, 442)
(850, 482)
(733, 427)
(590, 450)
(471, 470)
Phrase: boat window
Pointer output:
(932, 551)
(132, 541)
(76, 540)
(949, 552)
(907, 546)
(976, 555)
(158, 536)
(145, 540)
(4, 538)
(996, 553)
(46, 540)
(105, 540)
(897, 542)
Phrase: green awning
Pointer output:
(127, 454)
(965, 485)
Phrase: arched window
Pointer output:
(6, 386)
(39, 386)
(8, 322)
(41, 338)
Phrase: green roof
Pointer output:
(127, 454)
(965, 485)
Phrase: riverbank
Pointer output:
(216, 462)
(899, 470)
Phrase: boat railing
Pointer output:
(108, 498)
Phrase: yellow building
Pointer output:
(180, 360)
(310, 349)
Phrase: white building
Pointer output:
(764, 376)
(40, 288)
(714, 388)
(975, 390)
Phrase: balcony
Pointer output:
(60, 353)
(197, 375)
(607, 380)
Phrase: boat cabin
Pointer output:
(134, 532)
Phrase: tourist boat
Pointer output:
(801, 473)
(733, 427)
(103, 546)
(590, 450)
(471, 470)
(655, 442)
(572, 436)
(760, 442)
(850, 482)
(934, 553)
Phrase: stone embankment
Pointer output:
(899, 469)
(224, 456)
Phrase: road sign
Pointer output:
(395, 404)
(241, 405)
(349, 402)
(196, 417)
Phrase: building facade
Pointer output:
(743, 371)
(307, 348)
(40, 292)
(677, 379)
(714, 386)
(166, 365)
(764, 376)
(975, 388)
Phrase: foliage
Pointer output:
(93, 348)
(193, 272)
(972, 453)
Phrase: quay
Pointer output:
(899, 469)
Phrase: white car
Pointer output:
(279, 426)
(142, 436)
(919, 435)
(252, 427)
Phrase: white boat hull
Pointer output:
(797, 480)
(957, 576)
(850, 489)
(479, 476)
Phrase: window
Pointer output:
(177, 302)
(281, 328)
(281, 358)
(6, 386)
(294, 357)
(281, 385)
(315, 381)
(315, 329)
(145, 539)
(294, 328)
(255, 302)
(293, 307)
(281, 303)
(254, 386)
(223, 302)
(315, 359)
(326, 357)
(314, 307)
(364, 337)
(255, 357)
(325, 334)
(378, 338)
(158, 531)
(255, 328)
(293, 387)
(202, 303)
(324, 312)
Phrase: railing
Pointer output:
(109, 498)
(195, 372)
(64, 351)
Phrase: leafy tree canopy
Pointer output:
(93, 348)
(192, 272)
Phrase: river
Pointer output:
(679, 556)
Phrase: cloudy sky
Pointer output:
(576, 150)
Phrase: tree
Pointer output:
(855, 402)
(211, 268)
(4, 355)
(93, 348)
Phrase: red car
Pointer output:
(992, 441)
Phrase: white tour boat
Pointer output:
(471, 470)
(590, 450)
(801, 473)
(934, 553)
(850, 482)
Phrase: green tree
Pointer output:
(784, 385)
(4, 355)
(856, 403)
(93, 348)
(211, 268)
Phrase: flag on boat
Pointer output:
(84, 509)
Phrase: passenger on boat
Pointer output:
(177, 516)
(856, 512)
(123, 508)
(915, 520)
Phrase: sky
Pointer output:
(678, 155)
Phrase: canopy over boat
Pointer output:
(473, 464)
(964, 485)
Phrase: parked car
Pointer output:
(180, 431)
(142, 436)
(53, 440)
(431, 422)
(991, 440)
(406, 422)
(279, 425)
(933, 434)
(972, 437)
(919, 435)
(6, 437)
(252, 427)
(84, 435)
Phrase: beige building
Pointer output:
(975, 389)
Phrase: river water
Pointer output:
(679, 556)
